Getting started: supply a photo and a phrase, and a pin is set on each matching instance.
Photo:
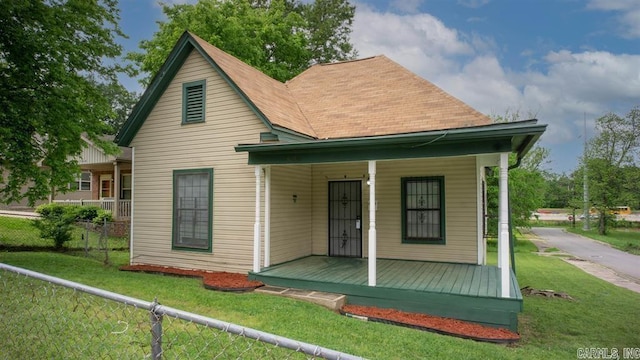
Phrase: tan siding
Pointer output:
(163, 144)
(460, 204)
(290, 221)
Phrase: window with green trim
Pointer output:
(192, 209)
(423, 210)
(193, 100)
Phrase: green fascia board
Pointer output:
(163, 78)
(503, 137)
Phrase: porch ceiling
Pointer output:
(516, 137)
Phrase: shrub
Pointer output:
(101, 216)
(56, 222)
(88, 213)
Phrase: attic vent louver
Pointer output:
(193, 99)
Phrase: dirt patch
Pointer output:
(221, 281)
(527, 290)
(431, 323)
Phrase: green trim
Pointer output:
(488, 139)
(434, 241)
(174, 246)
(188, 98)
(163, 78)
(268, 137)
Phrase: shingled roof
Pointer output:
(367, 97)
(351, 99)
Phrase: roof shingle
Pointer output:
(367, 97)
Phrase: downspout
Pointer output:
(511, 239)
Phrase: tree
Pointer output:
(527, 185)
(279, 37)
(121, 101)
(52, 54)
(527, 188)
(616, 147)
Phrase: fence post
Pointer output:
(86, 238)
(156, 331)
(105, 234)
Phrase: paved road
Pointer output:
(623, 263)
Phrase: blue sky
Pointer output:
(560, 61)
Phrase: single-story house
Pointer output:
(357, 177)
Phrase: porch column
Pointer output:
(503, 228)
(116, 190)
(256, 225)
(372, 223)
(267, 216)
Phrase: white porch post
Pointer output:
(372, 223)
(116, 190)
(503, 222)
(256, 225)
(267, 216)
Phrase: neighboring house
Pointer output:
(105, 180)
(356, 177)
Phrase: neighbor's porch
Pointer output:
(462, 291)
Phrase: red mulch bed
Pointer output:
(222, 281)
(437, 324)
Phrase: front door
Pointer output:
(345, 218)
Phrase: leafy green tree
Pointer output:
(527, 187)
(615, 148)
(329, 29)
(560, 191)
(52, 55)
(121, 100)
(279, 37)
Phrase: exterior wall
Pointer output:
(460, 207)
(163, 144)
(290, 220)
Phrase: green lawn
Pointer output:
(17, 232)
(602, 315)
(623, 239)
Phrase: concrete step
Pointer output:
(328, 300)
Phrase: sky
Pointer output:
(564, 62)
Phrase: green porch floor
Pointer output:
(461, 291)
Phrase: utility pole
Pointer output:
(585, 224)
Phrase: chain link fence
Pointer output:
(98, 241)
(47, 317)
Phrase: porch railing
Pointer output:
(124, 206)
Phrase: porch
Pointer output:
(461, 291)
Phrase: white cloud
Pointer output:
(629, 16)
(565, 87)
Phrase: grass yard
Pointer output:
(602, 315)
(623, 239)
(17, 232)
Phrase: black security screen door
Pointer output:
(345, 218)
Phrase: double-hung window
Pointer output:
(192, 209)
(423, 210)
(83, 182)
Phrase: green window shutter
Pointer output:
(193, 102)
(423, 220)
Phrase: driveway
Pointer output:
(625, 264)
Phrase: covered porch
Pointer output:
(463, 291)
